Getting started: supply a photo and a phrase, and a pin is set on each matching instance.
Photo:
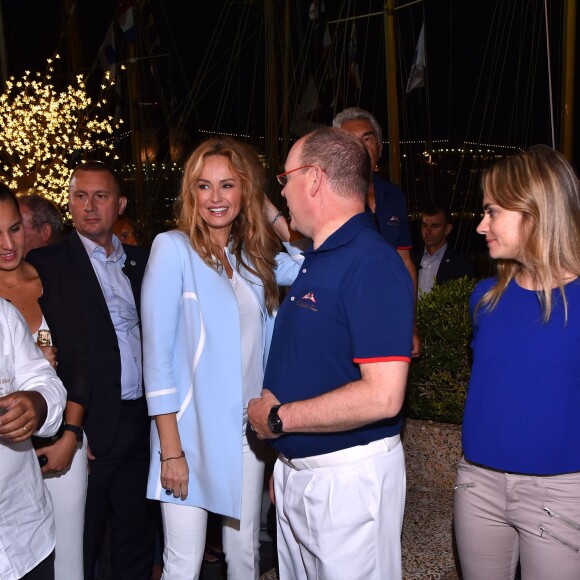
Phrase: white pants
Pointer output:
(344, 520)
(69, 492)
(185, 530)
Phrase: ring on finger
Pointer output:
(25, 429)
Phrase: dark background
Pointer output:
(202, 70)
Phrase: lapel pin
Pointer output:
(133, 263)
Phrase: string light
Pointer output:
(41, 128)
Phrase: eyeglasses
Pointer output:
(283, 177)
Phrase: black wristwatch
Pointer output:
(274, 421)
(78, 431)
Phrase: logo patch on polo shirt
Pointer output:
(308, 301)
(394, 221)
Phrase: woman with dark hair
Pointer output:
(517, 494)
(67, 483)
(209, 295)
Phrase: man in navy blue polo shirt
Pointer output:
(336, 375)
(386, 202)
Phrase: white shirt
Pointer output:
(251, 330)
(27, 533)
(429, 268)
(118, 295)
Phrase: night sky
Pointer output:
(486, 63)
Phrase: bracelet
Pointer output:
(168, 458)
(276, 217)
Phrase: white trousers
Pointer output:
(344, 520)
(185, 530)
(69, 493)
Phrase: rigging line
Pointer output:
(408, 119)
(550, 91)
(501, 66)
(217, 72)
(305, 49)
(313, 71)
(296, 84)
(515, 110)
(428, 107)
(193, 93)
(364, 57)
(479, 83)
(299, 68)
(284, 100)
(252, 92)
(343, 77)
(527, 120)
(181, 68)
(231, 69)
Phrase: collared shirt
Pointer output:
(391, 215)
(429, 268)
(121, 304)
(27, 532)
(351, 304)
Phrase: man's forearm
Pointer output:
(378, 395)
(351, 406)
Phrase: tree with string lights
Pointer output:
(42, 129)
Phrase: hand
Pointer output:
(258, 411)
(416, 348)
(59, 454)
(90, 457)
(23, 413)
(175, 476)
(49, 353)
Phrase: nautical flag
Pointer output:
(107, 53)
(353, 70)
(126, 20)
(417, 74)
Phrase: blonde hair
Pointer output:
(541, 185)
(250, 234)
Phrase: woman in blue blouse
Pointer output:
(209, 295)
(517, 494)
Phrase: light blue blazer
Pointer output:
(192, 366)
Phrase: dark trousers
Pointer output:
(117, 487)
(43, 571)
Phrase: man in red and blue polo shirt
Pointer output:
(336, 375)
(386, 202)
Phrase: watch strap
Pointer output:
(274, 421)
(78, 431)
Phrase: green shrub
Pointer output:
(438, 378)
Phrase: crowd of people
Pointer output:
(143, 385)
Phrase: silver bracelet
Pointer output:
(275, 218)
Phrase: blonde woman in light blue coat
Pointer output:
(209, 295)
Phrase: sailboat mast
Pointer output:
(566, 142)
(392, 99)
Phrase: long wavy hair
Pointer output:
(251, 234)
(541, 185)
